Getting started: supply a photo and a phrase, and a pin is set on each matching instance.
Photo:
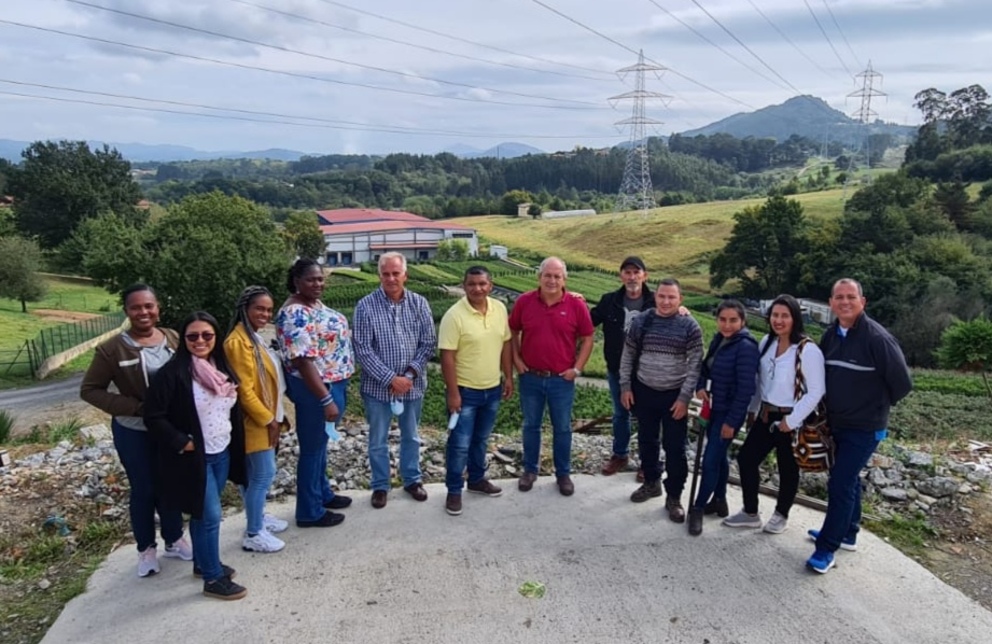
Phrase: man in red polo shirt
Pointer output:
(546, 325)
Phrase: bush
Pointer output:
(6, 425)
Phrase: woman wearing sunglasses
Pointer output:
(192, 412)
(129, 360)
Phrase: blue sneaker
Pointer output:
(846, 543)
(821, 561)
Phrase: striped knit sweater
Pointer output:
(671, 353)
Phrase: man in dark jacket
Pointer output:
(866, 374)
(615, 311)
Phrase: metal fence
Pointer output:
(53, 341)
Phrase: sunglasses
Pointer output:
(206, 335)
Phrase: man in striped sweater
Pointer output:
(662, 358)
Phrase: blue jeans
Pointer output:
(557, 394)
(260, 469)
(206, 530)
(854, 448)
(313, 489)
(467, 441)
(137, 453)
(715, 467)
(379, 415)
(621, 417)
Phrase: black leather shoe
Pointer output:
(329, 519)
(339, 502)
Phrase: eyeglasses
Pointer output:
(206, 335)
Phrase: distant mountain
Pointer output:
(806, 116)
(506, 151)
(141, 152)
(461, 150)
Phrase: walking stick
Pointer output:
(702, 423)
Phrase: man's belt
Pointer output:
(541, 374)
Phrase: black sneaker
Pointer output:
(718, 507)
(226, 570)
(224, 588)
(329, 519)
(339, 502)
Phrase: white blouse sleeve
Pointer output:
(813, 372)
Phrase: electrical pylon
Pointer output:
(636, 192)
(864, 115)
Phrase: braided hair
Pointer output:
(241, 317)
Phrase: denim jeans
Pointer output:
(557, 394)
(137, 453)
(260, 469)
(206, 530)
(468, 440)
(853, 449)
(656, 429)
(313, 489)
(759, 442)
(379, 415)
(715, 466)
(621, 417)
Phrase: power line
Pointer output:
(459, 38)
(714, 44)
(331, 59)
(787, 39)
(829, 42)
(637, 53)
(406, 43)
(281, 72)
(846, 42)
(320, 123)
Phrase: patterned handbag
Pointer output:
(812, 445)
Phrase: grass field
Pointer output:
(63, 295)
(676, 240)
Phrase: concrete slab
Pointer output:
(614, 572)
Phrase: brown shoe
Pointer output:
(565, 485)
(453, 504)
(614, 465)
(526, 481)
(640, 475)
(417, 491)
(379, 499)
(485, 487)
(675, 510)
(646, 491)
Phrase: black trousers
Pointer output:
(761, 440)
(656, 429)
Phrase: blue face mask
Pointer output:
(397, 407)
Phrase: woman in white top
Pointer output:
(775, 412)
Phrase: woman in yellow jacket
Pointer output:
(260, 395)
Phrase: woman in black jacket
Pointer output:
(727, 383)
(191, 412)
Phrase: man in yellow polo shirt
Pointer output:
(474, 339)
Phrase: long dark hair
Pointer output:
(241, 308)
(795, 312)
(734, 305)
(184, 359)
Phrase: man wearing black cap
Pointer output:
(615, 311)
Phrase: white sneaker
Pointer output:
(262, 542)
(743, 520)
(180, 549)
(274, 524)
(148, 562)
(777, 524)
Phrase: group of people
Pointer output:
(194, 409)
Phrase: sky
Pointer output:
(378, 76)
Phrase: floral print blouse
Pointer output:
(316, 332)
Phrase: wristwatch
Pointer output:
(578, 372)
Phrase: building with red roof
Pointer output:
(356, 235)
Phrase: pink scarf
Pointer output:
(213, 380)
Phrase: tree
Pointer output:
(452, 250)
(952, 199)
(303, 235)
(534, 210)
(762, 250)
(512, 199)
(60, 184)
(967, 346)
(20, 261)
(199, 256)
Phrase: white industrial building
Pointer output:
(356, 235)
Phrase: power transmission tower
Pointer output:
(864, 115)
(636, 192)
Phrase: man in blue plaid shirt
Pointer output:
(393, 337)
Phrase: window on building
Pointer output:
(423, 255)
(332, 259)
(462, 235)
(346, 259)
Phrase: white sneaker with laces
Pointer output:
(273, 524)
(743, 520)
(148, 562)
(179, 549)
(777, 524)
(262, 542)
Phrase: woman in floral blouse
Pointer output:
(315, 343)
